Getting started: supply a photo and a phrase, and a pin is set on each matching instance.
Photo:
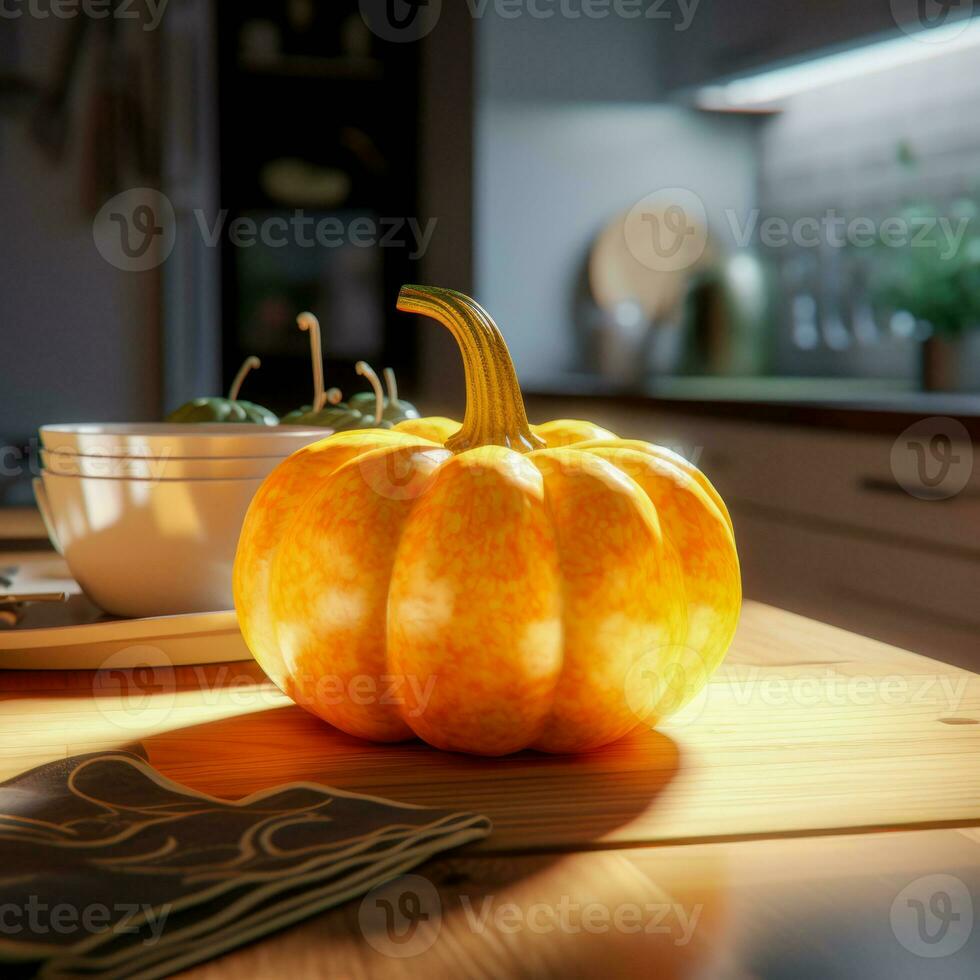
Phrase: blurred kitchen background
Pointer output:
(744, 228)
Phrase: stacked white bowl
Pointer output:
(148, 515)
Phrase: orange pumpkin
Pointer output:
(491, 586)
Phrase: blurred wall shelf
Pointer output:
(318, 124)
(306, 67)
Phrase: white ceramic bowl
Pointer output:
(168, 440)
(149, 468)
(148, 547)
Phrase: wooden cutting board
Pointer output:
(806, 729)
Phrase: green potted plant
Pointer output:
(932, 271)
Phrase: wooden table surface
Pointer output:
(794, 821)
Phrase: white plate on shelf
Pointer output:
(77, 635)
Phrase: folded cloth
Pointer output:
(109, 869)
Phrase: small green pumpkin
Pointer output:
(230, 409)
(336, 417)
(395, 410)
(369, 419)
(327, 410)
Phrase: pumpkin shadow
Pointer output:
(549, 813)
(537, 802)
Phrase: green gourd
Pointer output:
(327, 410)
(374, 419)
(395, 410)
(230, 409)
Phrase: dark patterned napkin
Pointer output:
(109, 869)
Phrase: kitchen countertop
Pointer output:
(858, 404)
(21, 524)
(780, 824)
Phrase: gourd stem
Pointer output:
(392, 386)
(495, 414)
(236, 386)
(307, 321)
(366, 371)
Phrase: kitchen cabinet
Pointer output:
(725, 38)
(823, 526)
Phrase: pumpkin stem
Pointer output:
(392, 385)
(307, 321)
(236, 386)
(366, 371)
(495, 414)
